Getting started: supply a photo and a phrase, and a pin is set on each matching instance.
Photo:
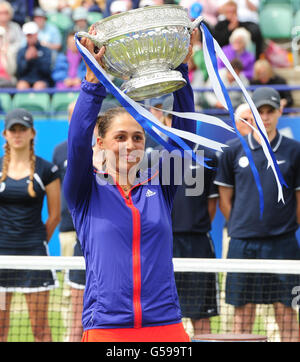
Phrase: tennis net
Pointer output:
(217, 296)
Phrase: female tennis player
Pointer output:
(25, 180)
(124, 225)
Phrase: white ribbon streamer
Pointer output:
(200, 117)
(183, 134)
(218, 91)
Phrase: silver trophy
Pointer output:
(144, 46)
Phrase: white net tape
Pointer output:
(200, 282)
(180, 264)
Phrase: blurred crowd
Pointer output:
(37, 48)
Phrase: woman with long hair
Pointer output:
(25, 180)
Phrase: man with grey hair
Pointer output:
(243, 113)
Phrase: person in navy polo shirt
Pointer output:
(192, 215)
(273, 235)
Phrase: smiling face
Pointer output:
(123, 143)
(19, 137)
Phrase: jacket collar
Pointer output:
(275, 143)
(142, 176)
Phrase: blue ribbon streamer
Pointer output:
(143, 121)
(212, 54)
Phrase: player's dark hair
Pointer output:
(104, 121)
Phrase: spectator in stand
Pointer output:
(49, 35)
(239, 41)
(80, 19)
(65, 7)
(226, 26)
(69, 69)
(247, 10)
(33, 61)
(95, 5)
(7, 63)
(264, 75)
(236, 96)
(209, 9)
(19, 11)
(129, 4)
(13, 32)
(120, 6)
(48, 6)
(90, 5)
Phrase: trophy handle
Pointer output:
(95, 40)
(196, 22)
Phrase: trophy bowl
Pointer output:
(144, 47)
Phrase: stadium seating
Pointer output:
(61, 101)
(61, 20)
(296, 4)
(39, 102)
(93, 17)
(276, 20)
(262, 3)
(6, 102)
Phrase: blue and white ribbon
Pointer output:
(153, 126)
(148, 121)
(210, 49)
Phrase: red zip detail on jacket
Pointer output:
(136, 254)
(136, 259)
(136, 251)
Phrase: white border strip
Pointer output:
(180, 264)
(41, 262)
(237, 265)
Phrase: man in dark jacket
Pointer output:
(224, 28)
(33, 61)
